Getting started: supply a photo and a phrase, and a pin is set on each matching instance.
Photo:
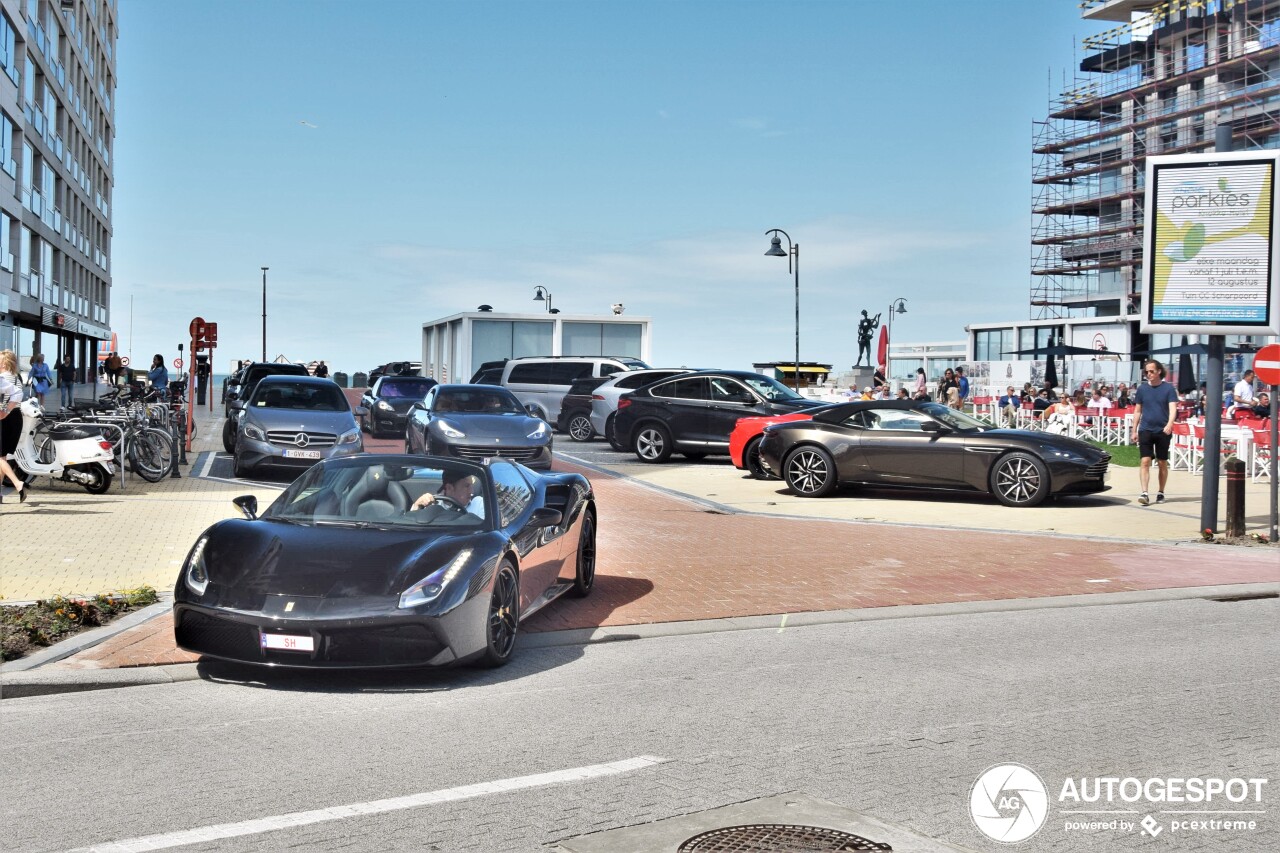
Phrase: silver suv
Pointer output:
(540, 382)
(604, 399)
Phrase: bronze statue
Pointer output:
(866, 328)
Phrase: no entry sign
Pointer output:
(177, 363)
(1266, 364)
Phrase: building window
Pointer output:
(6, 145)
(6, 247)
(8, 48)
(617, 339)
(494, 340)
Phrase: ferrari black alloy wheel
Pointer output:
(810, 472)
(580, 428)
(504, 616)
(1019, 479)
(653, 443)
(751, 459)
(586, 576)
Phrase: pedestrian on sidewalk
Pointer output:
(1156, 407)
(10, 396)
(322, 370)
(41, 378)
(66, 382)
(114, 366)
(159, 376)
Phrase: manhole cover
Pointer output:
(778, 838)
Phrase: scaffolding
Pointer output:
(1159, 84)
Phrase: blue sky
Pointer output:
(397, 162)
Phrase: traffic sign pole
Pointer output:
(1266, 366)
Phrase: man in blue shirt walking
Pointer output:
(1156, 406)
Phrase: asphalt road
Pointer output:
(895, 719)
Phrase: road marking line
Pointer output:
(208, 464)
(784, 622)
(214, 832)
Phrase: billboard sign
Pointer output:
(1210, 244)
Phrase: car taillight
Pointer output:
(622, 404)
(597, 397)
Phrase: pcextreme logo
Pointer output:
(1009, 803)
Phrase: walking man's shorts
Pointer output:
(1155, 444)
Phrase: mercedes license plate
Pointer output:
(302, 454)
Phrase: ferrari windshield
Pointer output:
(487, 401)
(771, 389)
(953, 418)
(393, 389)
(369, 493)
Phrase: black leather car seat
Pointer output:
(376, 496)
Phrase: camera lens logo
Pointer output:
(1009, 803)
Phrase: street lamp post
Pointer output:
(264, 313)
(793, 250)
(899, 306)
(541, 294)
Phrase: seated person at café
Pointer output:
(1009, 404)
(1041, 402)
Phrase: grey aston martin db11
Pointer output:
(388, 561)
(926, 444)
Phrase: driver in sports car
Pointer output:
(458, 491)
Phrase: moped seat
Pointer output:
(67, 433)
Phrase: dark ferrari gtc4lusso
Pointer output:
(384, 561)
(925, 444)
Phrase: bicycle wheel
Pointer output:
(151, 454)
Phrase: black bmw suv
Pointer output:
(694, 413)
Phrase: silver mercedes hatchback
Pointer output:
(293, 422)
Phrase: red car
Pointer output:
(744, 441)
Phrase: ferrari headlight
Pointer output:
(430, 588)
(541, 430)
(385, 406)
(450, 431)
(350, 436)
(254, 432)
(197, 575)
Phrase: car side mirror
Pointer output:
(545, 516)
(932, 426)
(248, 504)
(532, 410)
(360, 411)
(236, 405)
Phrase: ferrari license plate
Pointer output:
(288, 642)
(302, 454)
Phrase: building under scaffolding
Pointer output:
(1160, 82)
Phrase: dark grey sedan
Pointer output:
(477, 422)
(389, 401)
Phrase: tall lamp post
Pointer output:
(264, 313)
(541, 294)
(898, 306)
(792, 250)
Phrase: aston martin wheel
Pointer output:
(810, 472)
(504, 617)
(1019, 479)
(580, 428)
(586, 576)
(652, 443)
(751, 459)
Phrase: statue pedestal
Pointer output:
(862, 377)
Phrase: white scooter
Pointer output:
(71, 453)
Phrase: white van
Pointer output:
(542, 381)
